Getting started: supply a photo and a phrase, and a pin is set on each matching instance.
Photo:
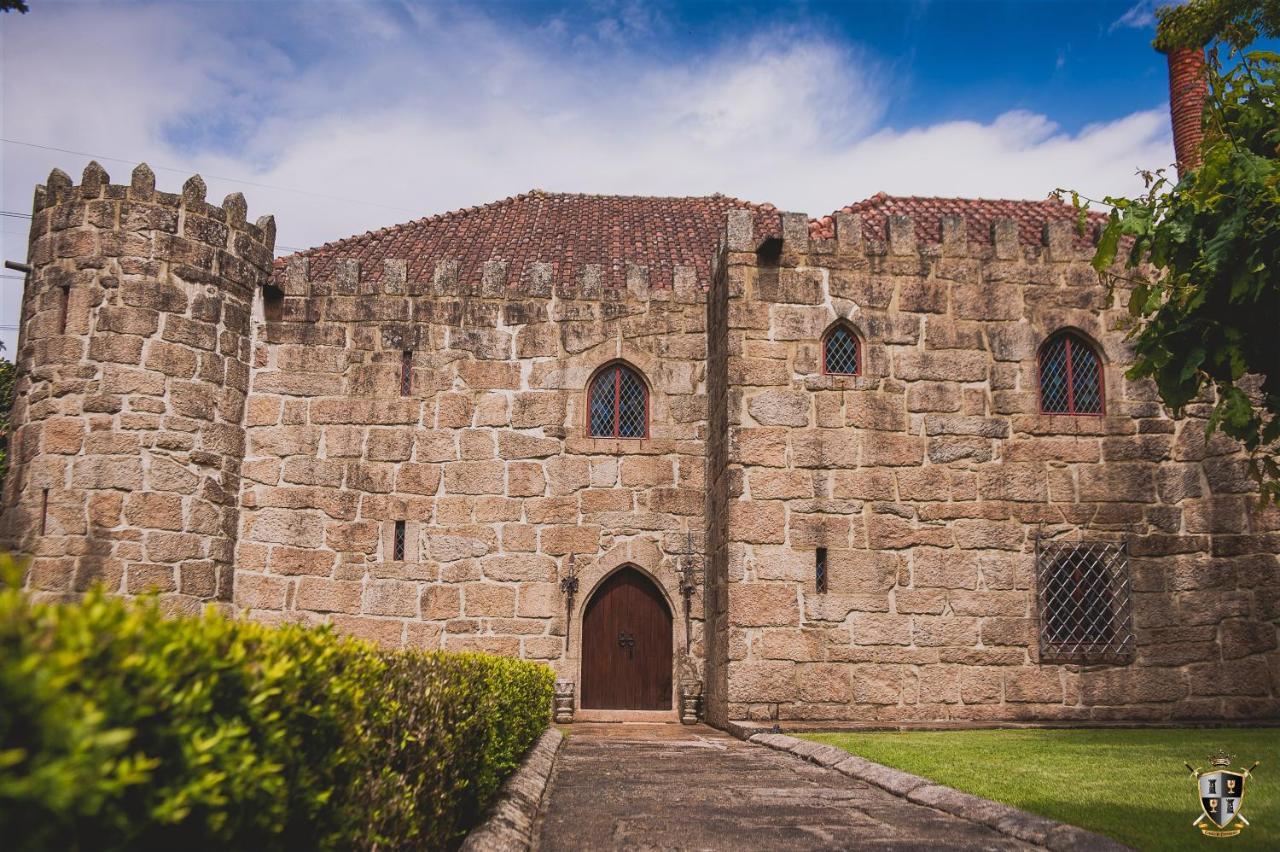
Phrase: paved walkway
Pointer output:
(655, 787)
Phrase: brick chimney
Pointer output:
(1187, 91)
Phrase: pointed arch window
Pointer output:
(841, 351)
(618, 404)
(1070, 376)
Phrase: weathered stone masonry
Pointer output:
(188, 407)
(133, 361)
(487, 458)
(929, 476)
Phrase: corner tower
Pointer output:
(133, 361)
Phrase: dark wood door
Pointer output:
(626, 646)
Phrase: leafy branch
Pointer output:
(1203, 254)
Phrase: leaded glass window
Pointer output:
(840, 352)
(1070, 377)
(619, 404)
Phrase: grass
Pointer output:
(1129, 784)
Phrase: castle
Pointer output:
(700, 456)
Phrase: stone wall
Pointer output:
(133, 369)
(929, 477)
(486, 459)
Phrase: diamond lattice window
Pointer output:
(1084, 602)
(1070, 377)
(840, 355)
(619, 404)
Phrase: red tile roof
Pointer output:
(978, 214)
(567, 230)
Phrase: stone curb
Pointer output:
(1006, 819)
(509, 824)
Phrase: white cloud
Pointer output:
(419, 111)
(1138, 16)
(1142, 15)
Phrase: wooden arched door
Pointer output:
(626, 646)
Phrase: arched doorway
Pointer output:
(626, 645)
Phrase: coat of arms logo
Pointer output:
(1221, 793)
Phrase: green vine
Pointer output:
(1202, 256)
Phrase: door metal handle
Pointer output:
(628, 641)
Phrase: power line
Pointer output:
(189, 171)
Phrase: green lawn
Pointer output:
(1126, 783)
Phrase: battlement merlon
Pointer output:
(185, 228)
(900, 238)
(496, 278)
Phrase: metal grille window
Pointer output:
(840, 352)
(618, 404)
(1084, 602)
(820, 570)
(397, 549)
(1070, 376)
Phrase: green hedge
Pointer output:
(123, 728)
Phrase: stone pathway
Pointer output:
(618, 786)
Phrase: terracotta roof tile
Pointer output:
(978, 214)
(567, 230)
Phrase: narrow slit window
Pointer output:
(44, 510)
(820, 570)
(406, 372)
(64, 299)
(397, 548)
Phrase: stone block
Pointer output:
(441, 602)
(474, 477)
(763, 604)
(1041, 685)
(525, 479)
(324, 595)
(757, 522)
(486, 599)
(780, 408)
(881, 449)
(868, 628)
(283, 526)
(391, 597)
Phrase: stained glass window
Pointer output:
(840, 355)
(1070, 377)
(619, 404)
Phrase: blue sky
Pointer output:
(344, 116)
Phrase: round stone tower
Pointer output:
(133, 366)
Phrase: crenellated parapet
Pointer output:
(133, 374)
(496, 278)
(846, 240)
